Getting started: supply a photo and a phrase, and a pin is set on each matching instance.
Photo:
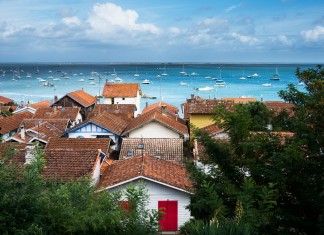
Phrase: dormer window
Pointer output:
(130, 153)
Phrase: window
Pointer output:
(112, 100)
(123, 98)
(130, 153)
(80, 136)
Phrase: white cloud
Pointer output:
(70, 21)
(231, 8)
(283, 40)
(251, 41)
(109, 21)
(313, 35)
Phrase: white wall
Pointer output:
(129, 100)
(96, 173)
(153, 130)
(160, 192)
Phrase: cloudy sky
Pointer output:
(162, 31)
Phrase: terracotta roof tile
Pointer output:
(169, 107)
(241, 100)
(278, 106)
(60, 113)
(61, 124)
(212, 129)
(12, 122)
(42, 104)
(112, 90)
(167, 149)
(78, 144)
(126, 111)
(165, 118)
(82, 97)
(19, 157)
(150, 167)
(65, 165)
(5, 100)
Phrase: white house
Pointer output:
(122, 93)
(157, 123)
(104, 125)
(167, 183)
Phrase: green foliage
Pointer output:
(270, 185)
(30, 205)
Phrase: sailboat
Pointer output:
(183, 72)
(136, 74)
(243, 77)
(164, 73)
(275, 77)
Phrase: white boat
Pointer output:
(90, 78)
(56, 79)
(208, 77)
(92, 83)
(183, 84)
(266, 84)
(81, 80)
(28, 75)
(182, 72)
(46, 83)
(255, 75)
(207, 88)
(41, 80)
(118, 79)
(276, 76)
(146, 81)
(194, 74)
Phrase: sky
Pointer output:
(214, 31)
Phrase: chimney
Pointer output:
(117, 106)
(163, 109)
(177, 117)
(22, 132)
(146, 104)
(22, 103)
(261, 98)
(192, 96)
(29, 156)
(55, 98)
(55, 108)
(106, 80)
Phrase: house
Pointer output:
(199, 112)
(125, 111)
(71, 113)
(122, 93)
(77, 98)
(104, 125)
(41, 104)
(157, 123)
(168, 186)
(168, 107)
(4, 101)
(61, 124)
(9, 125)
(166, 149)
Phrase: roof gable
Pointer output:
(82, 97)
(165, 118)
(169, 107)
(5, 100)
(166, 172)
(125, 111)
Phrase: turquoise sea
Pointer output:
(23, 82)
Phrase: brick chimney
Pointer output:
(28, 153)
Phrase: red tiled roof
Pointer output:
(126, 111)
(76, 144)
(60, 113)
(112, 90)
(150, 167)
(169, 107)
(42, 104)
(241, 100)
(61, 124)
(278, 106)
(165, 118)
(65, 165)
(5, 100)
(212, 129)
(111, 122)
(82, 97)
(168, 149)
(18, 157)
(12, 122)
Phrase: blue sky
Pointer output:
(162, 31)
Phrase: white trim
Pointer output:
(146, 178)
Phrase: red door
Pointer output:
(169, 221)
